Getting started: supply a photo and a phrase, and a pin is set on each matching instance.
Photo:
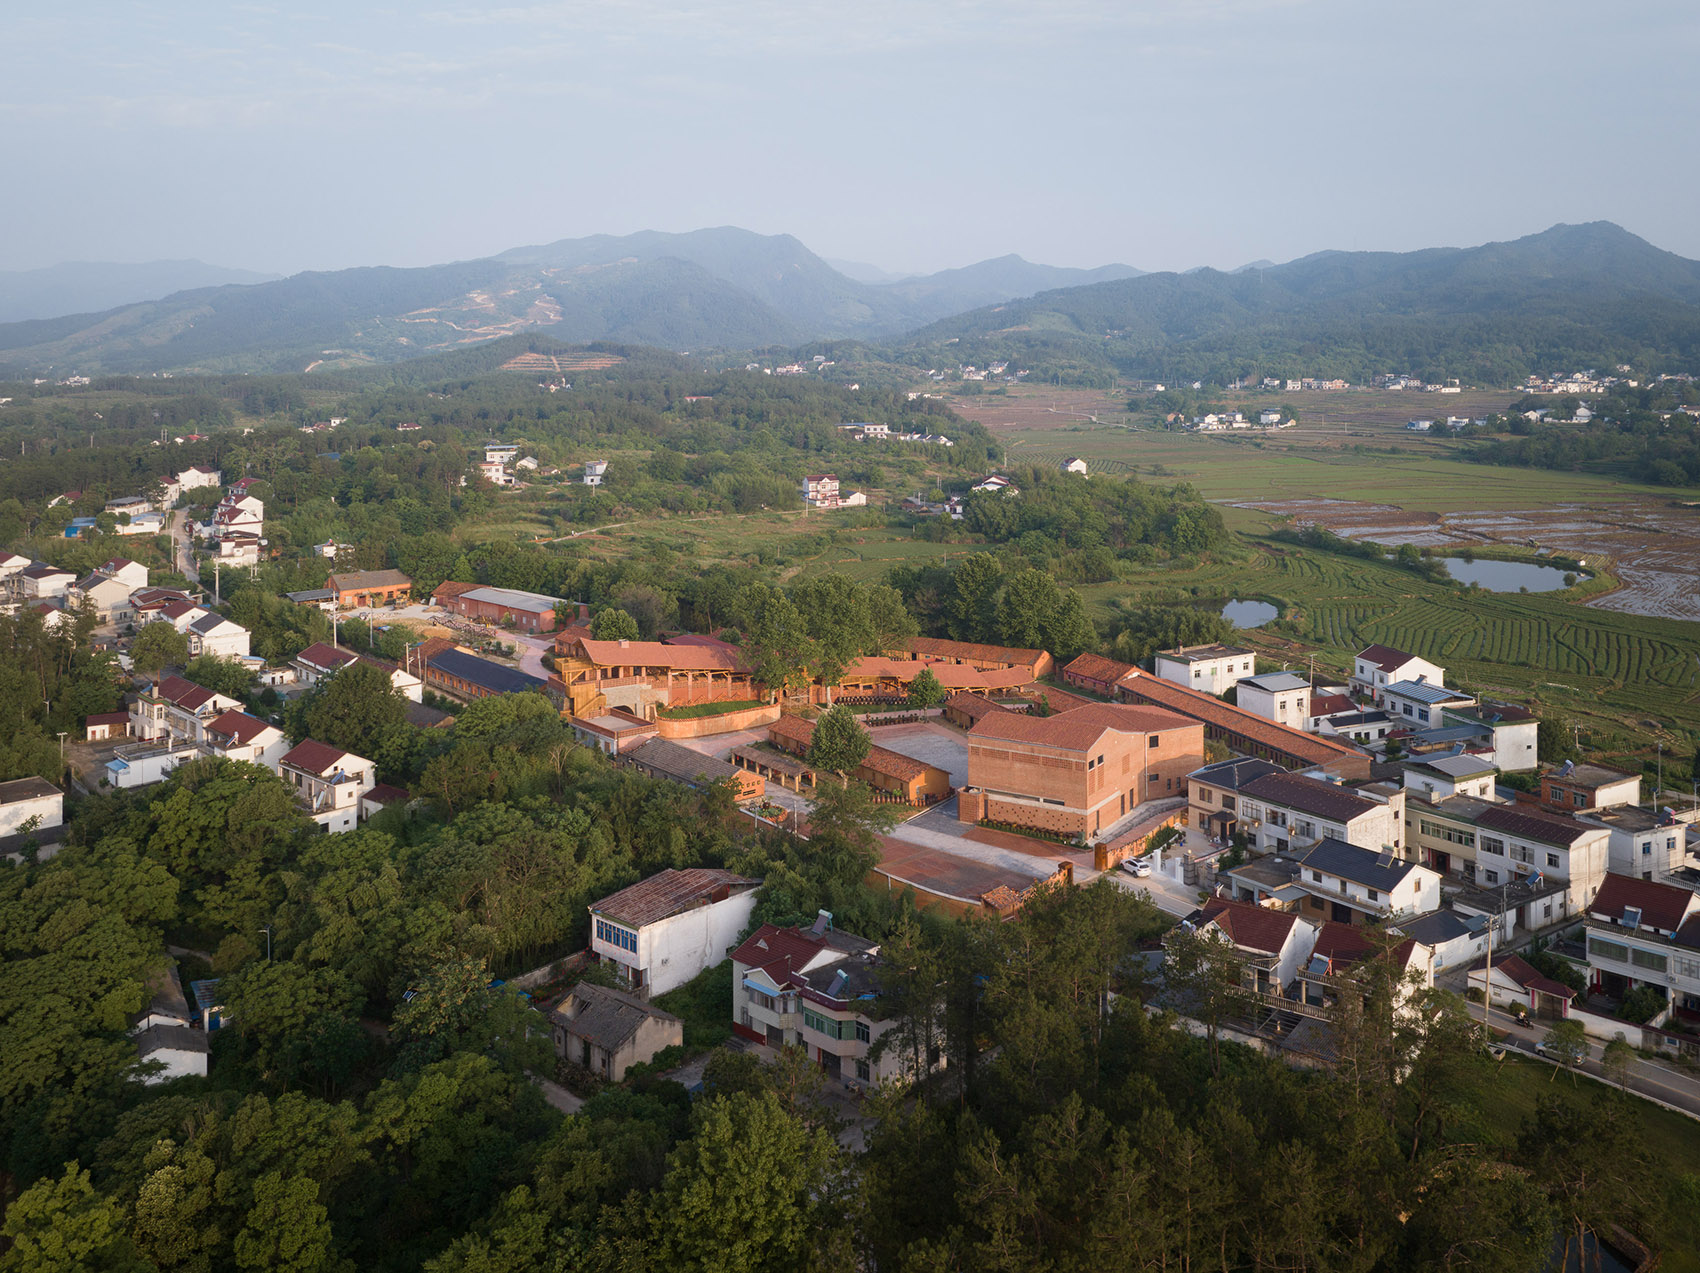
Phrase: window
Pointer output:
(1578, 799)
(1646, 848)
(1552, 859)
(1490, 845)
(1206, 796)
(1599, 948)
(761, 1000)
(1154, 740)
(616, 936)
(1374, 896)
(826, 1025)
(863, 1033)
(1649, 959)
(1546, 911)
(1306, 829)
(1492, 877)
(1316, 877)
(863, 1072)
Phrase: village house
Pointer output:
(1078, 772)
(818, 989)
(660, 758)
(1333, 969)
(1362, 728)
(1644, 933)
(1282, 812)
(197, 476)
(236, 512)
(1352, 885)
(1034, 664)
(167, 1044)
(1378, 666)
(1096, 674)
(1492, 845)
(41, 582)
(110, 597)
(322, 660)
(98, 727)
(214, 634)
(607, 1032)
(1441, 777)
(31, 808)
(1507, 733)
(1513, 982)
(1283, 697)
(176, 709)
(369, 588)
(660, 933)
(1074, 464)
(1270, 946)
(457, 672)
(1572, 786)
(1210, 669)
(1420, 703)
(595, 471)
(1647, 844)
(237, 735)
(328, 782)
(996, 484)
(1213, 793)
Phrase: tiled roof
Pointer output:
(783, 953)
(495, 677)
(1340, 943)
(683, 658)
(940, 648)
(323, 655)
(1534, 824)
(1309, 795)
(239, 727)
(1236, 773)
(1078, 729)
(314, 757)
(668, 893)
(106, 718)
(1095, 667)
(1662, 906)
(679, 762)
(449, 589)
(1331, 704)
(605, 1017)
(973, 706)
(354, 580)
(792, 727)
(1309, 748)
(1525, 974)
(181, 693)
(1360, 866)
(1248, 926)
(387, 793)
(1385, 657)
(171, 1038)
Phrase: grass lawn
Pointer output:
(709, 709)
(705, 1005)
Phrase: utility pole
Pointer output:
(267, 930)
(62, 748)
(216, 600)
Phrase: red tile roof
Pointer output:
(1662, 906)
(1340, 944)
(1329, 704)
(682, 658)
(239, 727)
(940, 648)
(323, 655)
(181, 693)
(1095, 667)
(1526, 975)
(1248, 926)
(106, 718)
(449, 589)
(1309, 748)
(973, 706)
(1078, 729)
(1385, 657)
(385, 793)
(783, 953)
(1309, 795)
(669, 893)
(314, 757)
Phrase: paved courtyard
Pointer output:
(930, 743)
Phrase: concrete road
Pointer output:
(1658, 1080)
(1171, 898)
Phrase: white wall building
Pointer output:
(660, 933)
(328, 782)
(1378, 666)
(1211, 669)
(1283, 697)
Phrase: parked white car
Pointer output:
(1137, 867)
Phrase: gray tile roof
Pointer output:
(605, 1017)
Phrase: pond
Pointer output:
(1249, 614)
(1507, 576)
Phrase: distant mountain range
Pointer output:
(1587, 295)
(721, 288)
(77, 287)
(1575, 295)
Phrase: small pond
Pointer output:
(1507, 576)
(1249, 614)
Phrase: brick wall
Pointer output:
(1039, 817)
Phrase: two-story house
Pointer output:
(1213, 793)
(212, 633)
(1285, 811)
(322, 660)
(1378, 666)
(1351, 885)
(1649, 844)
(1210, 669)
(178, 709)
(1269, 945)
(818, 989)
(1491, 845)
(1283, 697)
(820, 490)
(41, 582)
(1507, 732)
(328, 782)
(663, 931)
(1644, 933)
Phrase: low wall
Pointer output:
(550, 971)
(707, 726)
(1602, 1027)
(1107, 856)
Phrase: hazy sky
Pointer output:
(913, 135)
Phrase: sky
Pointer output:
(913, 135)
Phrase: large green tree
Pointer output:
(839, 742)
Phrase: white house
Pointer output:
(42, 582)
(595, 471)
(328, 782)
(214, 634)
(1443, 776)
(1454, 939)
(167, 1043)
(1074, 464)
(321, 660)
(197, 476)
(1643, 933)
(1492, 845)
(1283, 697)
(820, 490)
(238, 736)
(1513, 982)
(660, 933)
(500, 452)
(1421, 703)
(1351, 885)
(1211, 669)
(1510, 732)
(109, 597)
(237, 512)
(12, 564)
(175, 709)
(997, 483)
(1282, 812)
(1271, 944)
(144, 763)
(1645, 844)
(125, 571)
(30, 799)
(1378, 666)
